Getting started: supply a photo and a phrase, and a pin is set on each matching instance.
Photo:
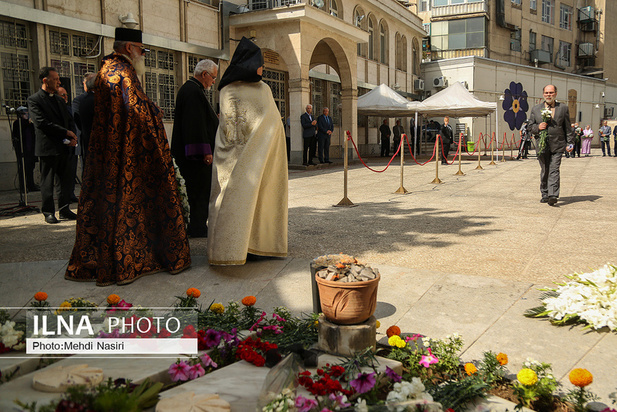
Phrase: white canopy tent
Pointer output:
(456, 101)
(383, 101)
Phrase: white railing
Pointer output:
(271, 4)
(457, 9)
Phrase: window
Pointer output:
(277, 81)
(401, 52)
(565, 50)
(515, 40)
(371, 39)
(317, 94)
(424, 5)
(335, 101)
(516, 2)
(532, 40)
(548, 11)
(547, 44)
(533, 5)
(70, 55)
(383, 44)
(415, 56)
(458, 34)
(15, 60)
(360, 22)
(565, 17)
(333, 8)
(160, 83)
(193, 60)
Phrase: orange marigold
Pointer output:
(393, 330)
(194, 292)
(470, 369)
(40, 296)
(113, 299)
(249, 300)
(580, 377)
(502, 358)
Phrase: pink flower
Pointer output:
(124, 305)
(275, 328)
(256, 324)
(196, 371)
(339, 400)
(179, 371)
(305, 404)
(207, 361)
(278, 318)
(413, 337)
(364, 382)
(428, 360)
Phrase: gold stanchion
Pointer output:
(479, 167)
(512, 148)
(345, 202)
(460, 172)
(437, 179)
(402, 189)
(492, 150)
(503, 148)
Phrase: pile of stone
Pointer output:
(343, 268)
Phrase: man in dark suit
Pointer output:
(309, 124)
(447, 136)
(83, 113)
(559, 131)
(53, 127)
(325, 126)
(192, 142)
(384, 131)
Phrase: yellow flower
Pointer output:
(502, 358)
(470, 369)
(40, 296)
(64, 306)
(217, 308)
(316, 323)
(395, 340)
(527, 377)
(113, 299)
(377, 324)
(580, 377)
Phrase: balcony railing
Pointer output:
(458, 9)
(450, 54)
(271, 4)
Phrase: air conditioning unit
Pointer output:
(439, 81)
(586, 14)
(585, 50)
(418, 84)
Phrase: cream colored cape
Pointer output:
(248, 201)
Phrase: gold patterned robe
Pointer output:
(129, 220)
(248, 202)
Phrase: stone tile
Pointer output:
(20, 281)
(467, 305)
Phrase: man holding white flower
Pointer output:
(549, 121)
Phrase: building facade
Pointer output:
(323, 53)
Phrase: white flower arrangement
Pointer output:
(408, 391)
(589, 298)
(10, 337)
(184, 198)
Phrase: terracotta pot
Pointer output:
(348, 303)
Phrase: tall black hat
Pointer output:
(124, 34)
(244, 64)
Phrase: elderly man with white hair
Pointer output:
(192, 142)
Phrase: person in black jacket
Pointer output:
(83, 113)
(309, 128)
(384, 131)
(53, 126)
(447, 135)
(192, 142)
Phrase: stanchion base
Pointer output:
(503, 159)
(492, 162)
(401, 190)
(437, 180)
(345, 202)
(459, 173)
(479, 168)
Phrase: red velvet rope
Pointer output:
(413, 157)
(360, 157)
(457, 149)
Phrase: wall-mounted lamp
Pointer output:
(502, 97)
(597, 106)
(602, 94)
(128, 20)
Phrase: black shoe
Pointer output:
(51, 219)
(67, 214)
(552, 200)
(312, 164)
(544, 200)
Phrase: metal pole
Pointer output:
(402, 189)
(460, 172)
(479, 167)
(437, 179)
(345, 201)
(492, 150)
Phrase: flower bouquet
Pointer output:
(546, 118)
(589, 298)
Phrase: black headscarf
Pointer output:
(244, 64)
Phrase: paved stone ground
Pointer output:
(464, 256)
